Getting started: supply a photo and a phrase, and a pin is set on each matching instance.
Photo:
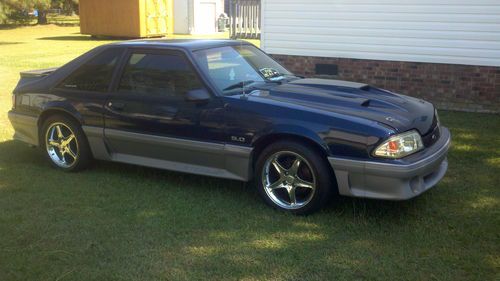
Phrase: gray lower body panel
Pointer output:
(178, 166)
(382, 180)
(95, 137)
(181, 155)
(25, 127)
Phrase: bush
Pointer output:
(20, 17)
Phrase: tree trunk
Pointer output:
(68, 7)
(42, 17)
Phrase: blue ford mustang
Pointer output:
(224, 108)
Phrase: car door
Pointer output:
(149, 121)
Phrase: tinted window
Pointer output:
(158, 74)
(94, 75)
(231, 65)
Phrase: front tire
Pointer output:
(64, 143)
(294, 177)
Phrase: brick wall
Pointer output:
(448, 86)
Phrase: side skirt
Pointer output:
(236, 162)
(95, 137)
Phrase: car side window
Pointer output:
(94, 75)
(168, 75)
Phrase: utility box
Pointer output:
(126, 18)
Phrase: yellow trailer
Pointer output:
(126, 18)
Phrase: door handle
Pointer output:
(116, 105)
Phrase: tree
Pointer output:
(41, 6)
(4, 11)
(68, 6)
(16, 9)
(7, 7)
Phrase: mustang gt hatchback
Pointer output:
(224, 108)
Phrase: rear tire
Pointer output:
(294, 177)
(64, 143)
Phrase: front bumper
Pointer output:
(393, 180)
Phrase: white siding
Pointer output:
(436, 31)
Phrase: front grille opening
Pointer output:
(433, 135)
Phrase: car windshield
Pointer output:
(233, 68)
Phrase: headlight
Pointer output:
(437, 116)
(399, 146)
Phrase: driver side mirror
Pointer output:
(198, 95)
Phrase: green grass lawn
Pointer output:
(122, 222)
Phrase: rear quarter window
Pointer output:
(94, 75)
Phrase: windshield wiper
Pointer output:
(241, 84)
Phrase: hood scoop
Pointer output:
(366, 103)
(329, 83)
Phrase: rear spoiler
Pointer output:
(32, 76)
(38, 72)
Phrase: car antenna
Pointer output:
(244, 96)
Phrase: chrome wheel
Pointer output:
(288, 180)
(62, 145)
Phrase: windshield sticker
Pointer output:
(270, 73)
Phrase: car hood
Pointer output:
(355, 99)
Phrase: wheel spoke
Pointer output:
(62, 159)
(71, 153)
(54, 143)
(291, 194)
(68, 139)
(278, 167)
(302, 183)
(59, 132)
(276, 184)
(295, 167)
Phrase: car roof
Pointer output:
(188, 44)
